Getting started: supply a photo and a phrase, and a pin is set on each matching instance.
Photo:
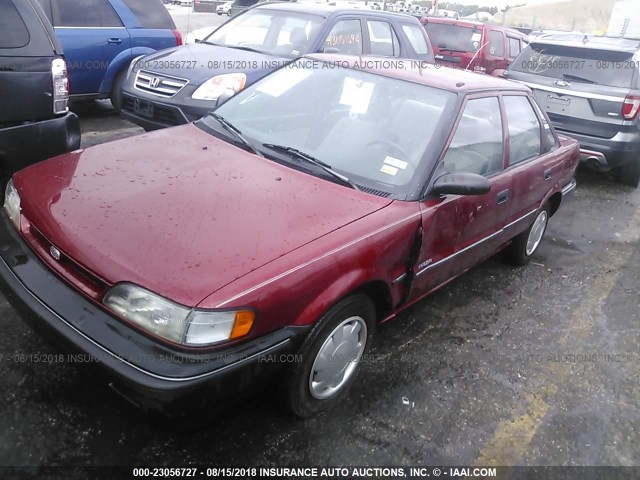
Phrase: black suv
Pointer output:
(589, 86)
(35, 122)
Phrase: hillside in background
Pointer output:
(589, 16)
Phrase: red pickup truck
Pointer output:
(472, 45)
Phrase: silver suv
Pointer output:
(589, 87)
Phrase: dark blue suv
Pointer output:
(101, 37)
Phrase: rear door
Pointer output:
(582, 90)
(460, 231)
(149, 25)
(92, 35)
(533, 159)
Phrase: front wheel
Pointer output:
(116, 91)
(629, 174)
(331, 356)
(527, 243)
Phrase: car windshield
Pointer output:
(373, 129)
(275, 32)
(454, 37)
(580, 65)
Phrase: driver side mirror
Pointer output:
(461, 184)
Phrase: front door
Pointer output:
(460, 231)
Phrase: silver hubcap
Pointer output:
(338, 358)
(536, 233)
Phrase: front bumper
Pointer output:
(153, 376)
(28, 143)
(164, 112)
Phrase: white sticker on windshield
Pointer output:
(396, 162)
(476, 37)
(357, 94)
(276, 85)
(389, 169)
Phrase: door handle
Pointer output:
(547, 175)
(502, 197)
(114, 41)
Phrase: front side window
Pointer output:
(524, 129)
(382, 39)
(496, 43)
(84, 13)
(275, 32)
(345, 37)
(373, 129)
(477, 146)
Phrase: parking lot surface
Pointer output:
(504, 366)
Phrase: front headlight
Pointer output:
(225, 84)
(174, 322)
(12, 203)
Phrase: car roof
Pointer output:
(580, 40)
(454, 80)
(326, 9)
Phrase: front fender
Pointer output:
(325, 299)
(119, 63)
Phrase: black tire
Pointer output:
(116, 91)
(517, 253)
(297, 376)
(629, 174)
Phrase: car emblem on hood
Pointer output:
(562, 83)
(154, 82)
(55, 253)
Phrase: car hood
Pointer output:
(179, 211)
(198, 62)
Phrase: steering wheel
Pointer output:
(391, 144)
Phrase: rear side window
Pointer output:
(150, 13)
(524, 129)
(14, 31)
(416, 38)
(84, 13)
(383, 40)
(514, 47)
(496, 43)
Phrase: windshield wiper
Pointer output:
(444, 47)
(568, 76)
(310, 159)
(229, 127)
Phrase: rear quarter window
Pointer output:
(151, 13)
(14, 31)
(416, 38)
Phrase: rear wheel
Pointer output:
(330, 357)
(527, 243)
(629, 174)
(116, 91)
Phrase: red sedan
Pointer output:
(187, 264)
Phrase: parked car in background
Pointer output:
(397, 180)
(239, 6)
(35, 122)
(471, 45)
(224, 9)
(205, 5)
(589, 88)
(101, 37)
(183, 84)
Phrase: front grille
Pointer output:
(159, 84)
